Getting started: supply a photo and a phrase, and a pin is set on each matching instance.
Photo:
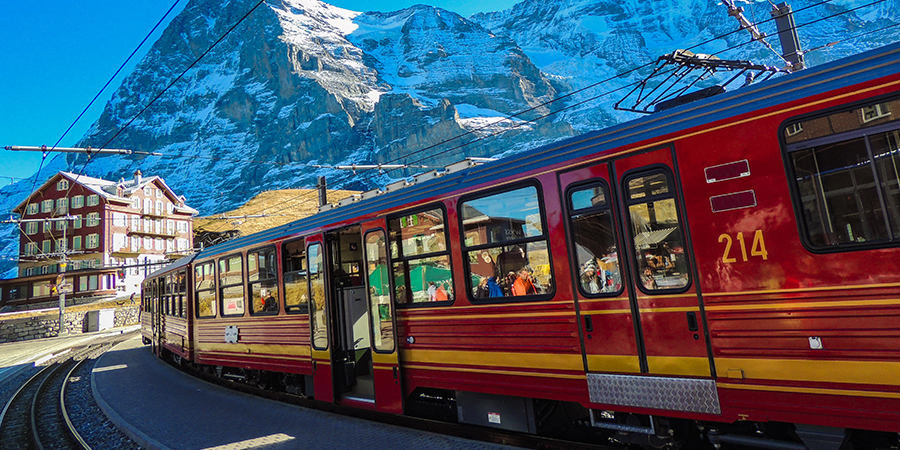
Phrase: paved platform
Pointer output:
(163, 408)
(17, 356)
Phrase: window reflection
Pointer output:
(595, 241)
(657, 237)
(506, 249)
(421, 260)
(379, 292)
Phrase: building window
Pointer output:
(594, 237)
(159, 208)
(61, 224)
(136, 203)
(32, 208)
(656, 232)
(93, 240)
(61, 245)
(29, 271)
(77, 222)
(148, 243)
(45, 246)
(77, 201)
(93, 200)
(135, 223)
(231, 285)
(62, 205)
(93, 219)
(420, 257)
(148, 191)
(31, 249)
(159, 193)
(62, 185)
(31, 228)
(41, 289)
(76, 242)
(46, 206)
(262, 275)
(505, 244)
(48, 226)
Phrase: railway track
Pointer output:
(37, 417)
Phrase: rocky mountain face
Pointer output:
(301, 85)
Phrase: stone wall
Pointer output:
(47, 324)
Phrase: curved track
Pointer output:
(36, 417)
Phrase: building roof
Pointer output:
(109, 189)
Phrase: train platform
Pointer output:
(160, 407)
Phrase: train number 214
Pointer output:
(757, 249)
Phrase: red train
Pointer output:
(726, 271)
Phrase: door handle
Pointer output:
(395, 372)
(692, 321)
(588, 324)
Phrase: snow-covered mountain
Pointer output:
(301, 84)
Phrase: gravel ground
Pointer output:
(87, 417)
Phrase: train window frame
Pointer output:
(303, 308)
(389, 242)
(221, 286)
(323, 274)
(213, 289)
(573, 213)
(273, 279)
(866, 131)
(376, 344)
(672, 193)
(544, 237)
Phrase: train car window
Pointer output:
(231, 285)
(506, 246)
(594, 237)
(205, 290)
(296, 287)
(379, 291)
(657, 232)
(181, 288)
(318, 315)
(420, 257)
(846, 176)
(262, 275)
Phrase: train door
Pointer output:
(352, 351)
(605, 309)
(662, 287)
(641, 316)
(385, 359)
(319, 315)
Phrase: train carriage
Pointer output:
(729, 265)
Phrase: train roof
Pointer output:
(855, 69)
(179, 263)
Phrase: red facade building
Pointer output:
(108, 234)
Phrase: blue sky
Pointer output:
(55, 55)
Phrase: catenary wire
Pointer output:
(607, 93)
